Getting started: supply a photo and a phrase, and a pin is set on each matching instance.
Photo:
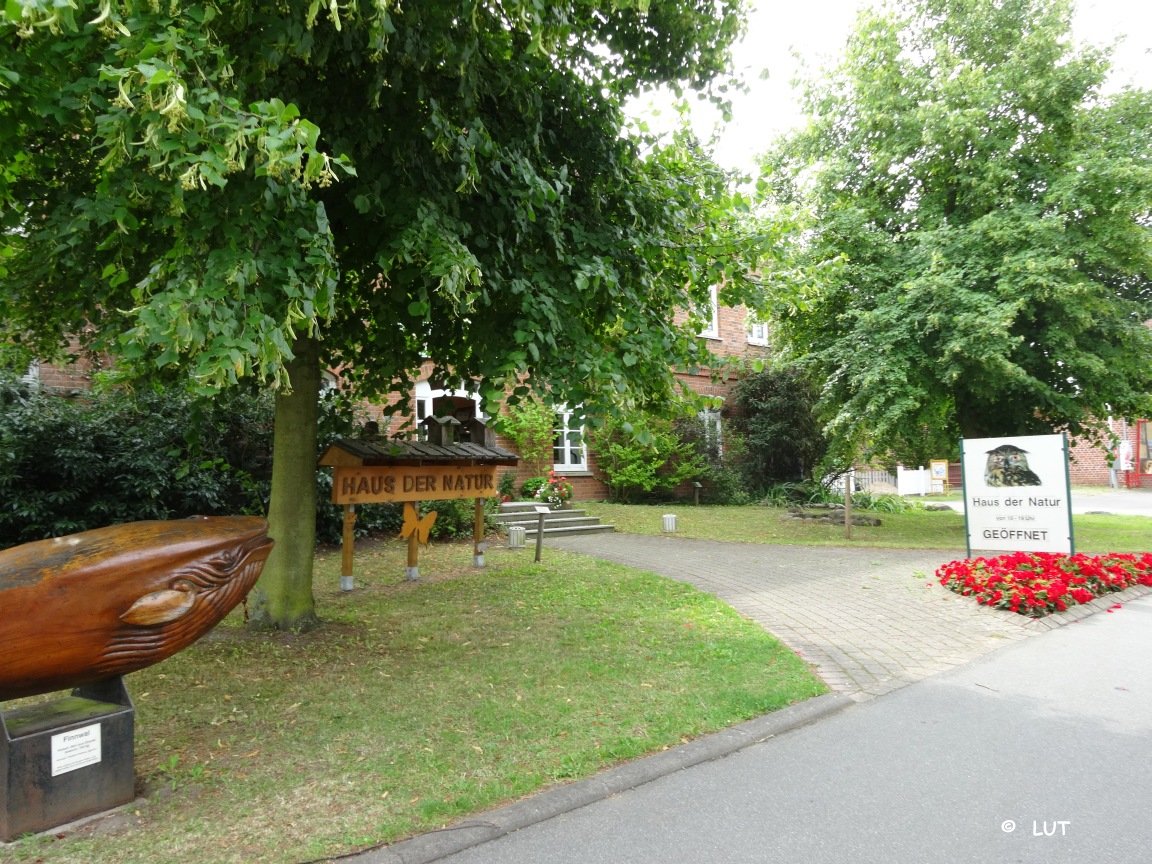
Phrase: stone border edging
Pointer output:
(1082, 610)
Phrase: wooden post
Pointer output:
(412, 572)
(478, 544)
(348, 543)
(542, 514)
(849, 480)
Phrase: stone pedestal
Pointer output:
(66, 758)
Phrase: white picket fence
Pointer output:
(906, 481)
(917, 481)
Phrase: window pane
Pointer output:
(568, 444)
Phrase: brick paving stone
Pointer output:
(868, 620)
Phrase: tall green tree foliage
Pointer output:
(977, 252)
(782, 440)
(262, 189)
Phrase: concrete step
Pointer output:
(556, 522)
(521, 507)
(531, 515)
(570, 531)
(553, 521)
(519, 513)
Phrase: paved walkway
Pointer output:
(869, 620)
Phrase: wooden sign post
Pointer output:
(478, 545)
(378, 484)
(409, 472)
(348, 541)
(416, 528)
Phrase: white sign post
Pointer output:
(1017, 495)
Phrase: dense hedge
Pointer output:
(776, 420)
(70, 464)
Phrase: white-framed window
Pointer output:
(713, 432)
(569, 450)
(712, 327)
(757, 331)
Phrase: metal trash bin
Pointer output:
(670, 522)
(516, 534)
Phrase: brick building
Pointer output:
(68, 379)
(1091, 465)
(730, 333)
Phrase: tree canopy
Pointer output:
(975, 255)
(259, 190)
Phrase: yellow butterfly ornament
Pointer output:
(418, 525)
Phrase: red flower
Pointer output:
(1039, 583)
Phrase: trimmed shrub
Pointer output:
(652, 463)
(777, 422)
(67, 465)
(531, 486)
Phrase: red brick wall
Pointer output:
(71, 377)
(1088, 463)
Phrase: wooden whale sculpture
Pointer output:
(106, 602)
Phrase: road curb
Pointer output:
(1074, 614)
(558, 800)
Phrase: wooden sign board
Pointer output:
(378, 484)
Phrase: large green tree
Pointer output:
(259, 189)
(977, 243)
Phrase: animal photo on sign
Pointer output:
(1008, 466)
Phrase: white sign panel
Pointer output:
(76, 749)
(1016, 494)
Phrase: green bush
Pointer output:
(67, 465)
(635, 465)
(723, 475)
(531, 486)
(777, 421)
(880, 502)
(454, 517)
(798, 494)
(531, 427)
(724, 485)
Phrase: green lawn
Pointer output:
(418, 703)
(915, 529)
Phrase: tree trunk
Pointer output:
(282, 598)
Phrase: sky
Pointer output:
(816, 31)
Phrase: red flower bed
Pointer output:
(1040, 583)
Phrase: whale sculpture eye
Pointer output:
(159, 607)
